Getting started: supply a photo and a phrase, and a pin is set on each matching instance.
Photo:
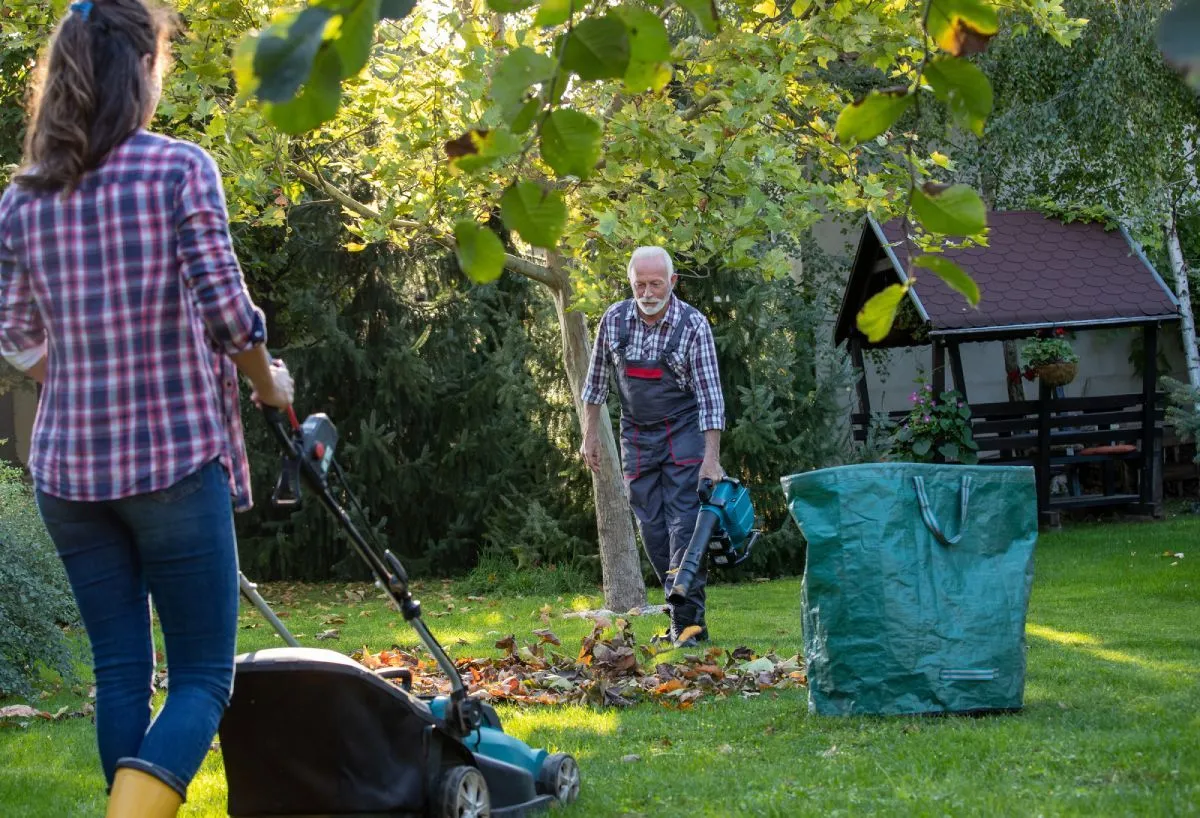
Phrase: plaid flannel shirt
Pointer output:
(132, 280)
(694, 362)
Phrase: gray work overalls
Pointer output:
(662, 448)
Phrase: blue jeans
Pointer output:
(178, 547)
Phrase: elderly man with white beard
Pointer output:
(672, 413)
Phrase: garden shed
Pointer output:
(1037, 275)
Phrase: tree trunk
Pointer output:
(1012, 364)
(619, 558)
(1187, 323)
(620, 561)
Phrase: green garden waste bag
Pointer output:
(916, 586)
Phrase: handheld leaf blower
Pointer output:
(724, 534)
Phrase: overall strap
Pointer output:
(623, 325)
(684, 317)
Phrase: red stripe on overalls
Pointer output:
(644, 373)
(637, 457)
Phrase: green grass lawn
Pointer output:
(1111, 725)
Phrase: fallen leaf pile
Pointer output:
(20, 715)
(610, 669)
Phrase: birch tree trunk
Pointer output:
(1187, 323)
(620, 561)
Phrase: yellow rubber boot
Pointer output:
(136, 794)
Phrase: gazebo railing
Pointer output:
(1070, 436)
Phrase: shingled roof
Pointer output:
(1036, 272)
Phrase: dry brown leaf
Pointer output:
(668, 686)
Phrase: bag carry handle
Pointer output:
(927, 511)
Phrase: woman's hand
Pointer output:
(279, 391)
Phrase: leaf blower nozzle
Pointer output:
(685, 578)
(724, 534)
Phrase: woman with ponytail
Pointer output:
(120, 292)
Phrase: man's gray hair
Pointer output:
(651, 251)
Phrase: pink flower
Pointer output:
(913, 397)
(926, 418)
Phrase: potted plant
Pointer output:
(935, 429)
(1050, 358)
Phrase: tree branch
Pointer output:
(513, 263)
(704, 103)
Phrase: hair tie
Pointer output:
(83, 9)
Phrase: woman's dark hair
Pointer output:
(90, 90)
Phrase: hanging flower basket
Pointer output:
(1050, 358)
(1058, 374)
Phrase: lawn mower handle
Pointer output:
(463, 715)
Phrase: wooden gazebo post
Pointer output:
(856, 358)
(1149, 422)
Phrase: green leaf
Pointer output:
(962, 26)
(479, 251)
(518, 70)
(949, 451)
(509, 6)
(243, 67)
(963, 88)
(648, 39)
(489, 148)
(536, 215)
(356, 36)
(956, 210)
(559, 86)
(319, 100)
(922, 447)
(873, 114)
(525, 116)
(606, 223)
(1179, 39)
(952, 274)
(799, 7)
(286, 52)
(597, 48)
(876, 317)
(552, 13)
(395, 9)
(570, 142)
(705, 12)
(646, 76)
(216, 126)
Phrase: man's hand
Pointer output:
(710, 469)
(591, 450)
(591, 437)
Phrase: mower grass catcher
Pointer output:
(310, 732)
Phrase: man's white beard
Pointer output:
(653, 306)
